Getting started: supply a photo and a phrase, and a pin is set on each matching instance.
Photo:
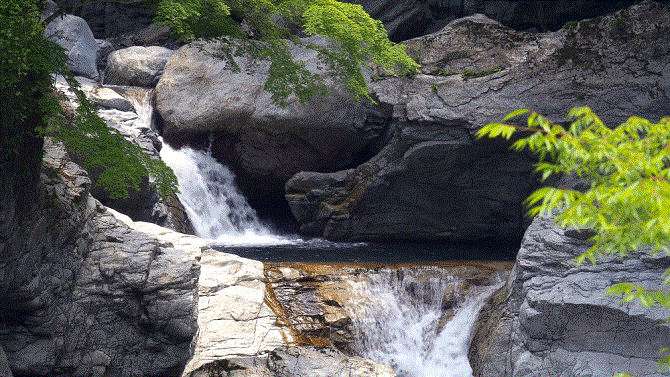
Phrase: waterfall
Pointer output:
(402, 323)
(218, 211)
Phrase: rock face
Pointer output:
(430, 182)
(136, 66)
(73, 34)
(553, 318)
(83, 294)
(407, 19)
(433, 180)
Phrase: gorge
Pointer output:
(385, 196)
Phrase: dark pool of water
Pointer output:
(321, 251)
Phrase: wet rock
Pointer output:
(320, 303)
(554, 319)
(137, 66)
(73, 34)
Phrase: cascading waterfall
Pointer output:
(401, 324)
(218, 211)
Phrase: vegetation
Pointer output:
(627, 202)
(30, 110)
(355, 39)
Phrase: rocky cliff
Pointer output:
(554, 319)
(84, 295)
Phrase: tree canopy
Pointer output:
(356, 39)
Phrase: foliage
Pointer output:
(31, 110)
(627, 202)
(356, 39)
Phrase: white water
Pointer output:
(399, 325)
(218, 211)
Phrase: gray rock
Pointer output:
(136, 66)
(434, 180)
(73, 34)
(105, 48)
(430, 182)
(599, 63)
(153, 34)
(82, 293)
(554, 319)
(128, 110)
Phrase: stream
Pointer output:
(402, 322)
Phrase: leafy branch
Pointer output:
(627, 169)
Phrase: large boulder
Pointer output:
(136, 66)
(265, 144)
(434, 180)
(554, 319)
(73, 34)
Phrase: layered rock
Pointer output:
(554, 319)
(433, 180)
(83, 294)
(136, 66)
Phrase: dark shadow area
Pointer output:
(321, 251)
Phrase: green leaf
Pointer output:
(515, 114)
